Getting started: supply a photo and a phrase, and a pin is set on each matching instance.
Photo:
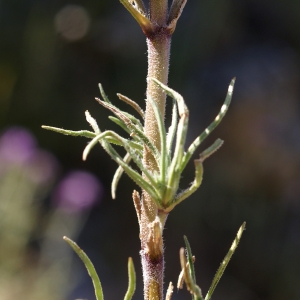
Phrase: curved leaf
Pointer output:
(131, 280)
(89, 266)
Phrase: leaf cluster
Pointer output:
(161, 184)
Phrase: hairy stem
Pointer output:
(158, 67)
(152, 221)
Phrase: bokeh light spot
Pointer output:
(78, 191)
(72, 22)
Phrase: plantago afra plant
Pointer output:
(159, 153)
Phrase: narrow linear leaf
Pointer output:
(109, 136)
(117, 176)
(139, 162)
(141, 6)
(128, 146)
(137, 204)
(95, 141)
(176, 9)
(92, 122)
(181, 276)
(89, 266)
(169, 291)
(225, 262)
(133, 127)
(135, 143)
(84, 133)
(119, 123)
(190, 258)
(211, 127)
(185, 267)
(182, 108)
(173, 176)
(132, 104)
(195, 185)
(191, 286)
(143, 184)
(104, 96)
(163, 145)
(172, 128)
(142, 20)
(131, 280)
(175, 13)
(134, 120)
(180, 280)
(127, 118)
(135, 176)
(211, 150)
(113, 140)
(138, 143)
(180, 141)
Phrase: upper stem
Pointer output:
(158, 67)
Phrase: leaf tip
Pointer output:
(68, 240)
(84, 156)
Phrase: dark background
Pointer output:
(48, 78)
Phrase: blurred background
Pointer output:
(53, 54)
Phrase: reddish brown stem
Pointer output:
(152, 222)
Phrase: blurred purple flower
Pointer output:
(16, 145)
(77, 192)
(19, 147)
(42, 167)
